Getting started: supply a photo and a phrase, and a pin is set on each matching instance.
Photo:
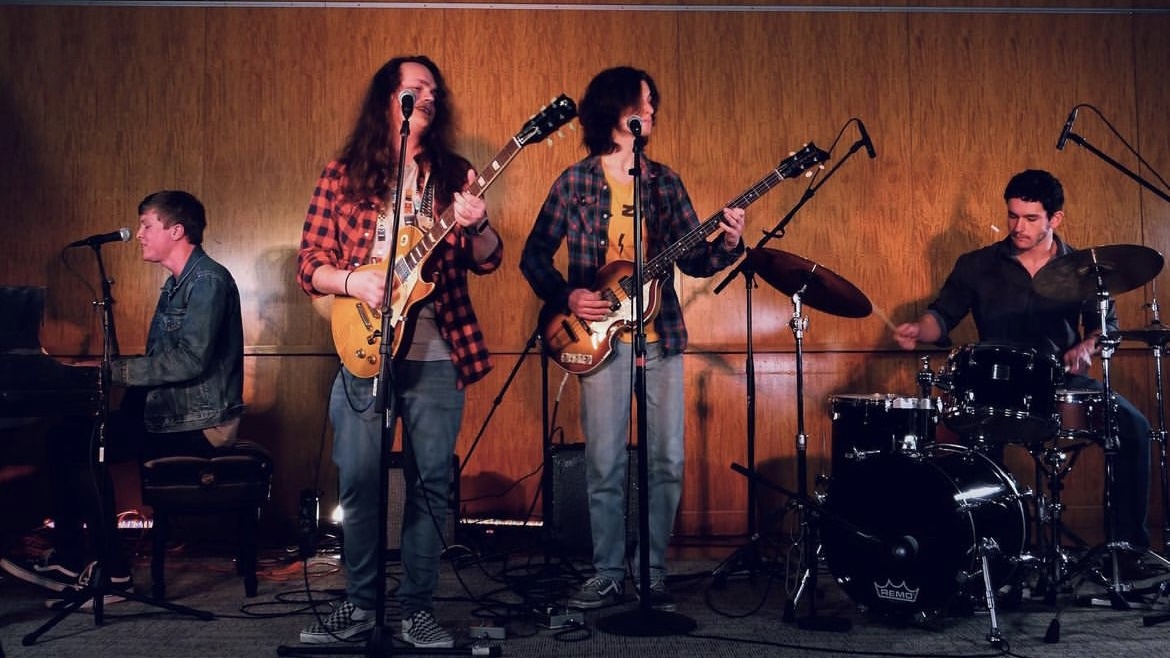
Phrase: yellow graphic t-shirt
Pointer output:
(621, 241)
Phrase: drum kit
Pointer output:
(910, 527)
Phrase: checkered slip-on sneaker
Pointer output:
(346, 621)
(421, 630)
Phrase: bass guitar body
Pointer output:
(580, 346)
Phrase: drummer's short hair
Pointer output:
(1039, 186)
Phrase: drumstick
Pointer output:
(884, 318)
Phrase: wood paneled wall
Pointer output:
(243, 106)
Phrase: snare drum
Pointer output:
(1001, 393)
(880, 423)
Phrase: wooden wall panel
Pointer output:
(243, 106)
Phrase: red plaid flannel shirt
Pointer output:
(339, 231)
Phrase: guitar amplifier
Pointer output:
(396, 506)
(569, 527)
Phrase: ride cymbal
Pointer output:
(818, 286)
(1115, 268)
(1153, 334)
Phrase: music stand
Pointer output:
(99, 584)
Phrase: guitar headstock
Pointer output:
(802, 160)
(548, 120)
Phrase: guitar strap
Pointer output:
(421, 216)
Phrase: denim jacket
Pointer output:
(194, 362)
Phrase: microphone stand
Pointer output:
(1073, 137)
(801, 447)
(99, 583)
(643, 621)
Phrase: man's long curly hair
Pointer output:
(371, 151)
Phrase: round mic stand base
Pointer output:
(646, 622)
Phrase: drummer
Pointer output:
(994, 284)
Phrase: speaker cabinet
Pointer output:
(569, 527)
(397, 503)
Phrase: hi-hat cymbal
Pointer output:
(819, 287)
(1152, 334)
(1121, 268)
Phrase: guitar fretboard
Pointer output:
(438, 232)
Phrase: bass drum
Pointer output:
(901, 533)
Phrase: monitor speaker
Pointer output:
(569, 527)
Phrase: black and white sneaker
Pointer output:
(421, 630)
(346, 621)
(660, 596)
(45, 571)
(596, 592)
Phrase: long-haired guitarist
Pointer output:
(589, 210)
(348, 227)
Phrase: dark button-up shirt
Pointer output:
(997, 290)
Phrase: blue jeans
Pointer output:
(606, 398)
(1131, 473)
(430, 405)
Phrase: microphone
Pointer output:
(406, 99)
(634, 123)
(121, 235)
(1072, 116)
(865, 140)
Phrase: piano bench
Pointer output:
(235, 480)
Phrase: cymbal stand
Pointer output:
(1114, 587)
(809, 554)
(1158, 346)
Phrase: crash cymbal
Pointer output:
(1122, 267)
(1153, 334)
(819, 287)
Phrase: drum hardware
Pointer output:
(1053, 464)
(1100, 272)
(1156, 335)
(807, 282)
(987, 549)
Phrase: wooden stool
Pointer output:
(236, 478)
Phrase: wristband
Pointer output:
(478, 229)
(346, 284)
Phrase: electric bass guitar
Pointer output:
(579, 346)
(357, 327)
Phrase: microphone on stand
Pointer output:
(1072, 117)
(406, 99)
(865, 140)
(634, 124)
(121, 235)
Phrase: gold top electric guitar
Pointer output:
(357, 327)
